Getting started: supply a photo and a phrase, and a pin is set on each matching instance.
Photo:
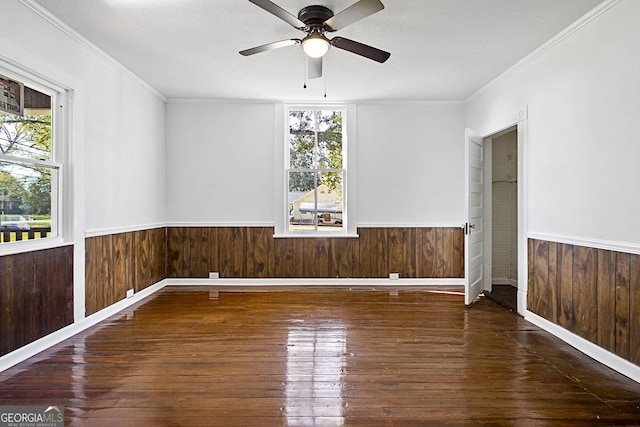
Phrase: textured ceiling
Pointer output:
(441, 50)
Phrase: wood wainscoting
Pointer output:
(36, 295)
(116, 263)
(253, 252)
(594, 293)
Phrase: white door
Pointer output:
(473, 240)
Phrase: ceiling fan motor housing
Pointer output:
(314, 17)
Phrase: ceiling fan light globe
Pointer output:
(315, 47)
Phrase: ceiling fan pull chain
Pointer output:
(306, 68)
(325, 82)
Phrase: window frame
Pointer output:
(348, 113)
(60, 121)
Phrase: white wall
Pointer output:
(582, 141)
(124, 157)
(118, 137)
(220, 164)
(411, 165)
(116, 163)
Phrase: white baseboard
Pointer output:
(522, 302)
(504, 281)
(587, 347)
(314, 282)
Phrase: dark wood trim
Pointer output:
(594, 293)
(253, 252)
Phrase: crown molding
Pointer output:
(307, 102)
(82, 41)
(577, 25)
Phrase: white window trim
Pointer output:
(281, 150)
(61, 115)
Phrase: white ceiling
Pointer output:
(441, 50)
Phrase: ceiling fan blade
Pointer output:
(276, 10)
(360, 49)
(353, 13)
(315, 67)
(269, 46)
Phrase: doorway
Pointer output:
(502, 182)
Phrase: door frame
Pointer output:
(519, 120)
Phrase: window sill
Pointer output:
(316, 236)
(24, 246)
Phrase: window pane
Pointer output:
(25, 201)
(28, 136)
(316, 201)
(315, 139)
(302, 200)
(329, 150)
(329, 196)
(301, 139)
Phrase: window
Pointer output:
(316, 171)
(30, 174)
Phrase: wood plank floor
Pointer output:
(505, 295)
(194, 356)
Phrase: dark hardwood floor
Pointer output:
(323, 356)
(505, 295)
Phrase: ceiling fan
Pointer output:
(317, 20)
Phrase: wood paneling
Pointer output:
(177, 250)
(585, 315)
(634, 309)
(552, 310)
(260, 245)
(606, 279)
(428, 259)
(396, 245)
(595, 292)
(149, 259)
(36, 295)
(564, 279)
(115, 263)
(411, 247)
(538, 294)
(247, 252)
(622, 309)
